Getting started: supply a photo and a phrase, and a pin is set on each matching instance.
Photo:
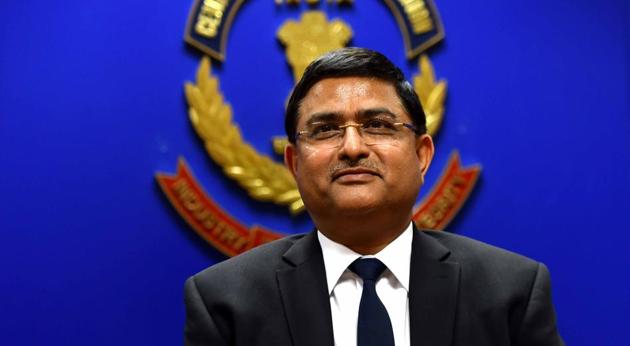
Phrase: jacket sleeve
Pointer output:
(538, 326)
(200, 327)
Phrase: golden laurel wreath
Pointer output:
(263, 178)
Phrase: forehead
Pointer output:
(348, 96)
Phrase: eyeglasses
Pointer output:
(372, 131)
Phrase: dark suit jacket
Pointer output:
(461, 292)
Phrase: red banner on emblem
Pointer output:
(205, 216)
(448, 195)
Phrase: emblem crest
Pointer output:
(262, 177)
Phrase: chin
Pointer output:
(356, 206)
(357, 199)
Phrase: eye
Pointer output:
(320, 130)
(378, 125)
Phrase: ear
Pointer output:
(424, 151)
(290, 158)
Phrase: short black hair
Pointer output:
(353, 62)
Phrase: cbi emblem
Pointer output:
(265, 179)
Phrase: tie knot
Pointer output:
(367, 268)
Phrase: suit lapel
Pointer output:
(305, 294)
(433, 287)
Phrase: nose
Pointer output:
(353, 146)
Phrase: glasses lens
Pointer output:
(372, 132)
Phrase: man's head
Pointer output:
(358, 148)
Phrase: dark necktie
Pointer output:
(374, 327)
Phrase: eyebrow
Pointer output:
(361, 115)
(374, 112)
(323, 117)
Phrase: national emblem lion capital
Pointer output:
(311, 37)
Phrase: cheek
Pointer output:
(312, 164)
(400, 164)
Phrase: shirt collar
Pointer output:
(396, 256)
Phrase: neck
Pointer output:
(365, 236)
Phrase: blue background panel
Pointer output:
(92, 106)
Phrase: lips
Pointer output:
(356, 171)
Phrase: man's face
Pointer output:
(355, 178)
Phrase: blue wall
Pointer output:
(92, 105)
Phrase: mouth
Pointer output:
(354, 173)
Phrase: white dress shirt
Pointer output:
(345, 287)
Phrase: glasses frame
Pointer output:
(359, 128)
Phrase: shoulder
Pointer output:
(483, 264)
(260, 262)
(509, 292)
(232, 299)
(464, 249)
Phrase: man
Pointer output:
(359, 152)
